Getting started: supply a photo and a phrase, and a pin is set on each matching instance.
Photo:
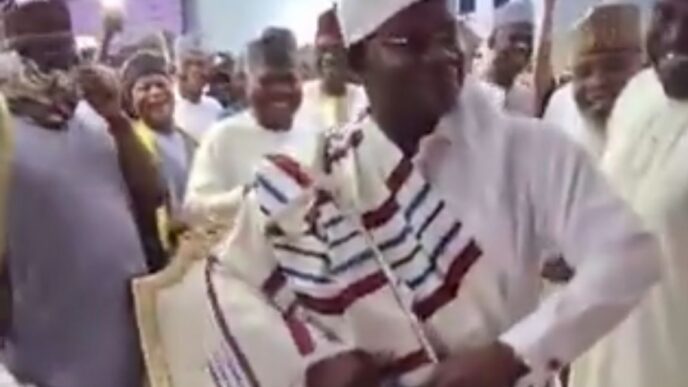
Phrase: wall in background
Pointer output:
(230, 24)
(142, 17)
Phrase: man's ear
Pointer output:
(356, 58)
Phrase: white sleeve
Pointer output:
(553, 109)
(616, 260)
(8, 380)
(210, 192)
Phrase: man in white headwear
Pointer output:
(194, 111)
(407, 247)
(331, 100)
(607, 52)
(646, 159)
(510, 51)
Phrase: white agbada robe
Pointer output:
(520, 189)
(195, 119)
(226, 161)
(563, 113)
(327, 111)
(647, 160)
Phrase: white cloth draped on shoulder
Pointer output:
(646, 160)
(562, 112)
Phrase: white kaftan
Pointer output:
(647, 161)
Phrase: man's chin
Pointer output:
(674, 89)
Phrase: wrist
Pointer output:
(117, 121)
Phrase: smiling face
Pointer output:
(599, 78)
(513, 47)
(667, 46)
(153, 101)
(275, 96)
(412, 69)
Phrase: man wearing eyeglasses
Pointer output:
(406, 248)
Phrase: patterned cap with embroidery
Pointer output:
(609, 27)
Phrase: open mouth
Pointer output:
(280, 105)
(158, 107)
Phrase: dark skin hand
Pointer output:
(493, 366)
(100, 86)
(101, 89)
(352, 369)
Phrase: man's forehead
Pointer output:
(195, 55)
(154, 78)
(601, 57)
(423, 15)
(266, 70)
(518, 28)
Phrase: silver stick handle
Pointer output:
(394, 283)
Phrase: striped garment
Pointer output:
(391, 261)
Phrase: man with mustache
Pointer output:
(406, 248)
(607, 52)
(74, 193)
(646, 161)
(228, 156)
(331, 99)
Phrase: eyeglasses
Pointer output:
(445, 41)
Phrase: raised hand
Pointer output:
(101, 89)
(492, 366)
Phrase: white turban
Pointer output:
(515, 11)
(360, 18)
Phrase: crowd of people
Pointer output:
(408, 214)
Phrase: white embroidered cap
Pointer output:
(360, 18)
(515, 11)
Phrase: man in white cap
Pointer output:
(646, 158)
(607, 52)
(510, 51)
(194, 111)
(407, 248)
